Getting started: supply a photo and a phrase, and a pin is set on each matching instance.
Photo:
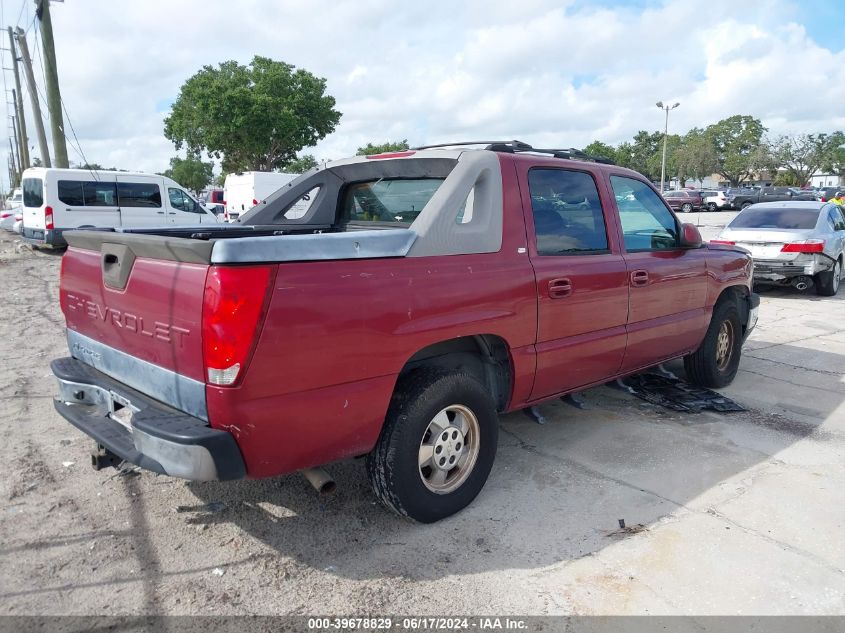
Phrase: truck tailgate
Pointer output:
(155, 317)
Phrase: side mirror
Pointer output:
(690, 237)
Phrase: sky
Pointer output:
(551, 73)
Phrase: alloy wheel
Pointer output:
(725, 345)
(449, 449)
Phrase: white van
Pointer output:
(244, 191)
(55, 200)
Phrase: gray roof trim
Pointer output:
(367, 244)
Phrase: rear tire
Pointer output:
(711, 206)
(686, 207)
(745, 204)
(437, 445)
(827, 283)
(715, 363)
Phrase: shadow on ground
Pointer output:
(556, 493)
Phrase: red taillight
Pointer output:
(823, 199)
(48, 218)
(254, 202)
(5, 214)
(806, 246)
(728, 242)
(232, 309)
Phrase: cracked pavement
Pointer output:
(737, 513)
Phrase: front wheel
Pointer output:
(745, 205)
(827, 283)
(715, 363)
(437, 446)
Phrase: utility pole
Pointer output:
(23, 153)
(17, 143)
(54, 97)
(24, 146)
(33, 96)
(13, 169)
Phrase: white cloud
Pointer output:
(544, 71)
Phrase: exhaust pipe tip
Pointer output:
(320, 480)
(802, 283)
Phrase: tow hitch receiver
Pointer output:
(101, 457)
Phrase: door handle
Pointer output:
(560, 288)
(639, 278)
(160, 212)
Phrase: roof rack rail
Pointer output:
(460, 143)
(515, 146)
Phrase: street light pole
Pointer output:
(665, 108)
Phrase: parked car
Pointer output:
(246, 190)
(799, 243)
(14, 200)
(17, 227)
(684, 200)
(415, 296)
(56, 200)
(824, 194)
(7, 218)
(715, 200)
(214, 200)
(768, 194)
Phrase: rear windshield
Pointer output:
(33, 192)
(395, 201)
(776, 219)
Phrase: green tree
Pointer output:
(190, 172)
(802, 155)
(643, 154)
(602, 150)
(301, 165)
(739, 147)
(254, 117)
(369, 149)
(695, 156)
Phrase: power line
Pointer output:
(78, 147)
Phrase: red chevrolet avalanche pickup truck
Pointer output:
(390, 307)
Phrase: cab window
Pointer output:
(567, 211)
(647, 223)
(182, 201)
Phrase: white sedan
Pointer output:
(801, 243)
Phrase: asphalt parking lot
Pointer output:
(736, 513)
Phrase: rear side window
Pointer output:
(838, 219)
(780, 218)
(137, 194)
(647, 225)
(567, 211)
(71, 193)
(33, 192)
(299, 208)
(76, 193)
(396, 201)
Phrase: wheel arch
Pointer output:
(739, 296)
(486, 357)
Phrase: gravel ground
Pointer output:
(724, 513)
